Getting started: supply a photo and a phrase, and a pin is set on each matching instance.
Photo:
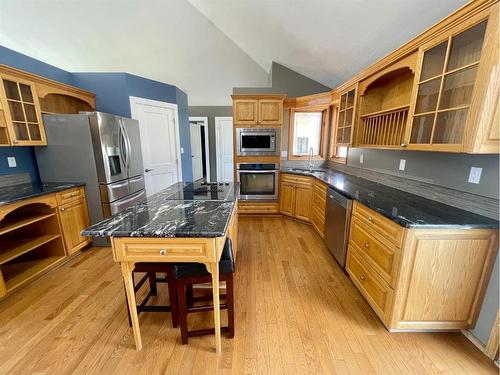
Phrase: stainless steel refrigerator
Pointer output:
(100, 149)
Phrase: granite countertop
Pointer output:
(14, 193)
(166, 214)
(406, 209)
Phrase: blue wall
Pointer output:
(112, 95)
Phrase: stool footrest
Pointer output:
(209, 331)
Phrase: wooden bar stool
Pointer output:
(151, 270)
(188, 274)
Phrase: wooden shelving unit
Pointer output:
(30, 243)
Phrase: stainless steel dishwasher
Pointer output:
(338, 217)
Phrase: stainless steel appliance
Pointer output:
(100, 149)
(257, 141)
(338, 217)
(258, 181)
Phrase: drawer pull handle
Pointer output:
(367, 245)
(63, 209)
(370, 218)
(362, 277)
(163, 252)
(73, 194)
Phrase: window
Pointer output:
(306, 133)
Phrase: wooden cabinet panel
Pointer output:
(386, 227)
(376, 250)
(74, 218)
(245, 111)
(270, 112)
(376, 291)
(318, 221)
(287, 198)
(303, 198)
(444, 275)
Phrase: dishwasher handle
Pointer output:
(339, 198)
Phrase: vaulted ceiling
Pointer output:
(206, 47)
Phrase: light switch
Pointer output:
(402, 164)
(11, 160)
(182, 150)
(361, 158)
(475, 175)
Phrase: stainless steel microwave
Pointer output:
(257, 141)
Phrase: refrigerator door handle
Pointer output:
(123, 136)
(128, 146)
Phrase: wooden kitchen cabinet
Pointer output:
(296, 196)
(21, 111)
(258, 110)
(74, 218)
(319, 206)
(420, 279)
(455, 97)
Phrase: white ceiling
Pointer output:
(207, 47)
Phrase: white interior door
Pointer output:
(159, 127)
(224, 148)
(196, 151)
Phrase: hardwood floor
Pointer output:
(296, 313)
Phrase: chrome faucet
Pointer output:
(311, 151)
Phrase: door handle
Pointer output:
(148, 170)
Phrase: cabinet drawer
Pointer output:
(160, 250)
(381, 254)
(318, 220)
(376, 291)
(320, 187)
(392, 231)
(293, 178)
(70, 195)
(319, 201)
(258, 207)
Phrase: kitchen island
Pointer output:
(187, 222)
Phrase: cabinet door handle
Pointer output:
(63, 209)
(370, 218)
(163, 251)
(367, 245)
(15, 141)
(362, 277)
(403, 144)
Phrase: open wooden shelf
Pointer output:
(11, 249)
(16, 274)
(12, 223)
(384, 111)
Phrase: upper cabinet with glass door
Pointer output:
(457, 80)
(345, 118)
(21, 112)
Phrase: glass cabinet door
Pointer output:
(444, 91)
(345, 118)
(25, 119)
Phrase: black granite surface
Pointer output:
(165, 214)
(14, 193)
(406, 209)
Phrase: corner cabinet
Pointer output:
(296, 193)
(419, 279)
(21, 113)
(455, 99)
(258, 110)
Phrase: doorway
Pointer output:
(200, 154)
(160, 142)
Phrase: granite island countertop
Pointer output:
(15, 193)
(406, 209)
(169, 214)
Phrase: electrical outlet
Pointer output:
(182, 150)
(402, 164)
(11, 160)
(361, 158)
(475, 175)
(284, 154)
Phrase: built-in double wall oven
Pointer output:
(257, 141)
(258, 181)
